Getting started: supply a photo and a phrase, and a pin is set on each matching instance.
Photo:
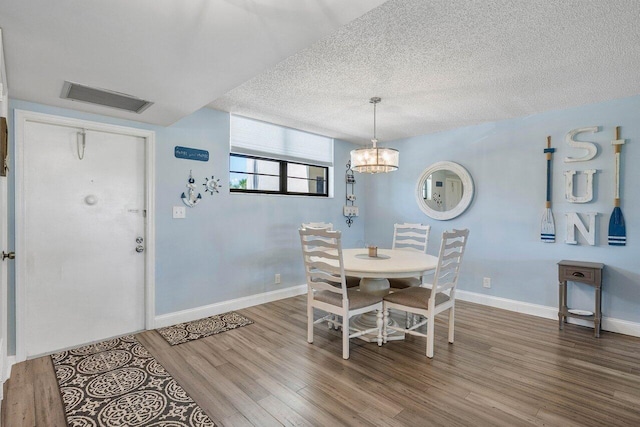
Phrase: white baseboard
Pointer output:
(608, 323)
(225, 306)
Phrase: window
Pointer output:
(252, 174)
(266, 158)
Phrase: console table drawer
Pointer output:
(578, 274)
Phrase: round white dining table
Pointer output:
(374, 272)
(390, 263)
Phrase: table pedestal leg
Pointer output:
(368, 320)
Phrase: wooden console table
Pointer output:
(589, 273)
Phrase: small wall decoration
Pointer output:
(574, 222)
(192, 199)
(350, 210)
(437, 199)
(568, 180)
(211, 185)
(548, 227)
(592, 149)
(191, 154)
(617, 229)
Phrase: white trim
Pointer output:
(608, 323)
(225, 306)
(21, 117)
(9, 362)
(4, 88)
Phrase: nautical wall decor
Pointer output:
(548, 227)
(191, 154)
(575, 223)
(588, 191)
(617, 229)
(592, 149)
(588, 231)
(350, 209)
(211, 185)
(191, 199)
(584, 223)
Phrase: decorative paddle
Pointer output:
(617, 229)
(548, 228)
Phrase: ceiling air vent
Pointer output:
(107, 98)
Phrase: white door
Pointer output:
(453, 193)
(83, 209)
(3, 277)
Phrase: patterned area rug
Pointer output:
(118, 383)
(185, 332)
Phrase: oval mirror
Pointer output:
(444, 190)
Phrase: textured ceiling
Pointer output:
(444, 64)
(179, 54)
(314, 64)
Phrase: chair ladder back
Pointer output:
(451, 251)
(318, 225)
(322, 254)
(411, 237)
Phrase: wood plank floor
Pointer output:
(505, 369)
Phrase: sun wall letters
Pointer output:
(586, 228)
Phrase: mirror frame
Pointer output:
(467, 190)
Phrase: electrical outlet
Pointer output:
(486, 282)
(350, 211)
(179, 212)
(277, 279)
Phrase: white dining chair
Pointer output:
(410, 237)
(428, 302)
(327, 289)
(352, 281)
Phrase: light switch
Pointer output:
(179, 212)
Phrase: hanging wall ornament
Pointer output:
(192, 199)
(617, 228)
(547, 226)
(211, 185)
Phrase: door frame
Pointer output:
(21, 118)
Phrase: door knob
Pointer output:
(139, 248)
(10, 255)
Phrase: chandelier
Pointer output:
(374, 159)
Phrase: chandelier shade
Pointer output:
(374, 159)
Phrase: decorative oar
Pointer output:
(617, 229)
(548, 228)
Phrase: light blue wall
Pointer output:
(508, 167)
(230, 245)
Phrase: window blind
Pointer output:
(256, 138)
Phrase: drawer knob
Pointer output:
(577, 274)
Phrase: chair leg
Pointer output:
(385, 322)
(430, 337)
(379, 323)
(345, 336)
(309, 322)
(451, 320)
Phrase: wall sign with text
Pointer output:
(191, 154)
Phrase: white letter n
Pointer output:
(574, 222)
